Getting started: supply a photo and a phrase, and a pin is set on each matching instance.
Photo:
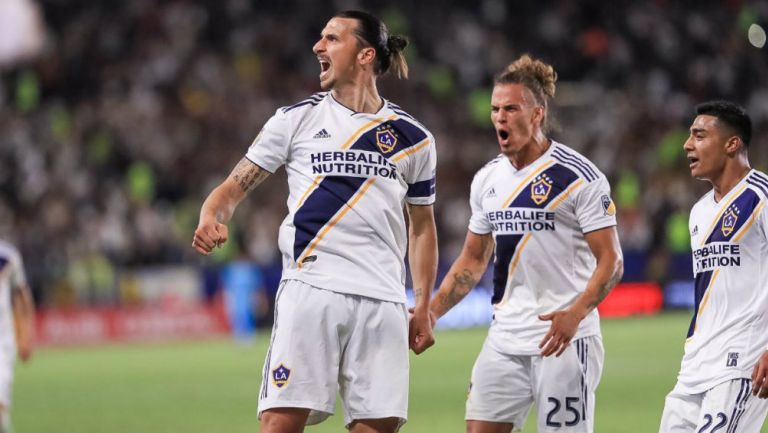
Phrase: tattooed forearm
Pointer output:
(248, 175)
(607, 286)
(418, 292)
(463, 282)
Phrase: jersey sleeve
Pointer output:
(269, 149)
(17, 276)
(594, 207)
(762, 220)
(421, 176)
(478, 222)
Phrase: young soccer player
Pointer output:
(549, 213)
(353, 160)
(725, 362)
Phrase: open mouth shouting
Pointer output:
(325, 67)
(503, 137)
(694, 161)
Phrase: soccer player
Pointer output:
(353, 160)
(549, 213)
(16, 324)
(725, 362)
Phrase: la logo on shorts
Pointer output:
(280, 375)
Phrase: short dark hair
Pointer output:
(372, 32)
(732, 115)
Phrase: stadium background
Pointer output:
(128, 113)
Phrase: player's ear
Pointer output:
(733, 145)
(366, 55)
(538, 115)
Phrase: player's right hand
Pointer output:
(25, 352)
(420, 337)
(209, 235)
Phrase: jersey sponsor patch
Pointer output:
(386, 138)
(716, 255)
(280, 375)
(609, 208)
(729, 220)
(541, 188)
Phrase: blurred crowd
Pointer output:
(134, 110)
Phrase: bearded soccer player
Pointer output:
(549, 214)
(354, 160)
(722, 381)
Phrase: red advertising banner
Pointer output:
(92, 326)
(627, 299)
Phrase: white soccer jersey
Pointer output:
(729, 329)
(349, 175)
(538, 217)
(11, 276)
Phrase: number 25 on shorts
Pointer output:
(570, 412)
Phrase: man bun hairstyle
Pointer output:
(537, 76)
(732, 115)
(372, 32)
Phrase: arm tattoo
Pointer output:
(248, 175)
(418, 292)
(606, 288)
(463, 282)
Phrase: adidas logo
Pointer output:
(322, 134)
(695, 230)
(491, 193)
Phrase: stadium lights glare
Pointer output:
(756, 35)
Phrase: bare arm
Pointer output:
(24, 320)
(464, 273)
(604, 244)
(605, 247)
(218, 208)
(422, 255)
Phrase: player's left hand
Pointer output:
(420, 326)
(563, 328)
(759, 377)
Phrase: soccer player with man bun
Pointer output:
(354, 161)
(722, 383)
(546, 213)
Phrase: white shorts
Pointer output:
(7, 362)
(324, 342)
(504, 387)
(729, 407)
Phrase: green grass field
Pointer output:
(212, 386)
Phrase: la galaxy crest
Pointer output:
(729, 220)
(280, 375)
(541, 188)
(386, 138)
(608, 207)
